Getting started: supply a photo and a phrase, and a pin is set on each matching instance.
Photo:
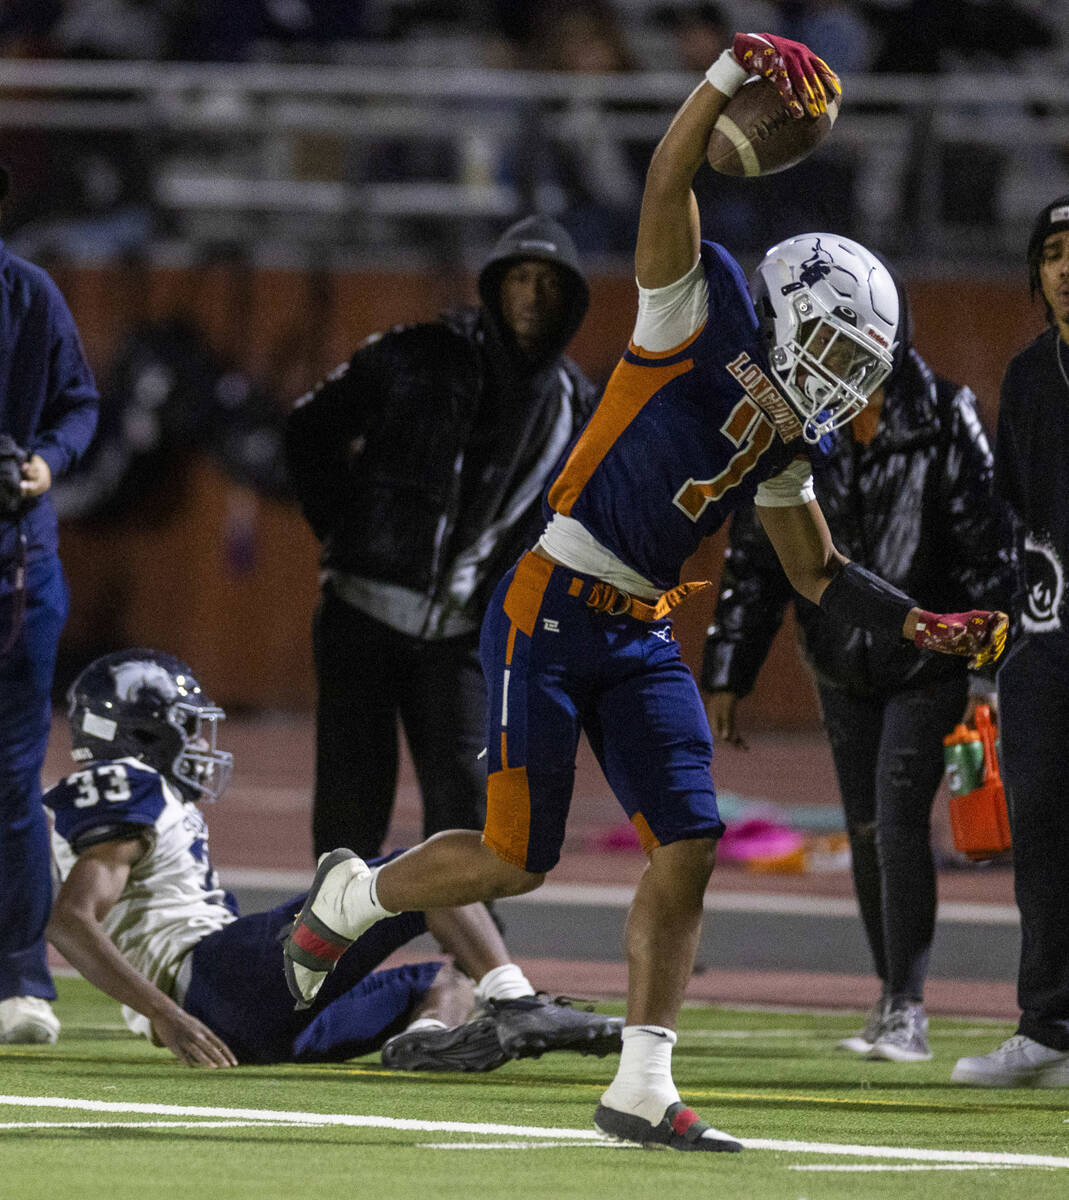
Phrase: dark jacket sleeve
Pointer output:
(323, 434)
(754, 592)
(69, 417)
(978, 524)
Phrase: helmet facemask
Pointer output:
(199, 766)
(828, 368)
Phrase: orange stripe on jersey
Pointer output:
(510, 645)
(629, 389)
(508, 815)
(528, 586)
(648, 840)
(642, 352)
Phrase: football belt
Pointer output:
(605, 598)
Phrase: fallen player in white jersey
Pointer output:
(141, 915)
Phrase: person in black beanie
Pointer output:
(1032, 476)
(420, 467)
(906, 489)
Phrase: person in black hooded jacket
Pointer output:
(907, 491)
(420, 467)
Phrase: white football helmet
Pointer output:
(828, 309)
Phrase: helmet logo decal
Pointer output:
(819, 265)
(132, 678)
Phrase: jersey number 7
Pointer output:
(749, 429)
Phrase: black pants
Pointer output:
(1033, 691)
(369, 676)
(888, 753)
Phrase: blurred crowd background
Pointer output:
(232, 193)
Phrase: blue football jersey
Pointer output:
(681, 438)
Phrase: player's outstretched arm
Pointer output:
(88, 894)
(669, 230)
(849, 593)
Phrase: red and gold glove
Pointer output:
(980, 635)
(798, 73)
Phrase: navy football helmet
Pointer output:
(148, 705)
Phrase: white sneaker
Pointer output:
(903, 1036)
(27, 1020)
(1018, 1062)
(862, 1043)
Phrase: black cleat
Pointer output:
(530, 1025)
(473, 1046)
(679, 1129)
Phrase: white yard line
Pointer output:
(981, 1158)
(905, 1167)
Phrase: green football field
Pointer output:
(104, 1116)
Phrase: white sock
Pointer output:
(425, 1023)
(350, 907)
(503, 983)
(373, 895)
(643, 1085)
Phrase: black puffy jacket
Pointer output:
(915, 506)
(377, 454)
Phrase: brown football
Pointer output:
(756, 135)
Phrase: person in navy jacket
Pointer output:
(48, 413)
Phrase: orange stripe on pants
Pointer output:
(508, 815)
(528, 586)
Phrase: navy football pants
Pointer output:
(555, 668)
(238, 989)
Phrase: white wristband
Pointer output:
(726, 75)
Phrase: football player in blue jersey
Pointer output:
(712, 407)
(141, 914)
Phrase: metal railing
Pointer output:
(402, 165)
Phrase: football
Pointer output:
(756, 135)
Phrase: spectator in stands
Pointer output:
(26, 27)
(935, 36)
(700, 32)
(837, 31)
(238, 30)
(581, 169)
